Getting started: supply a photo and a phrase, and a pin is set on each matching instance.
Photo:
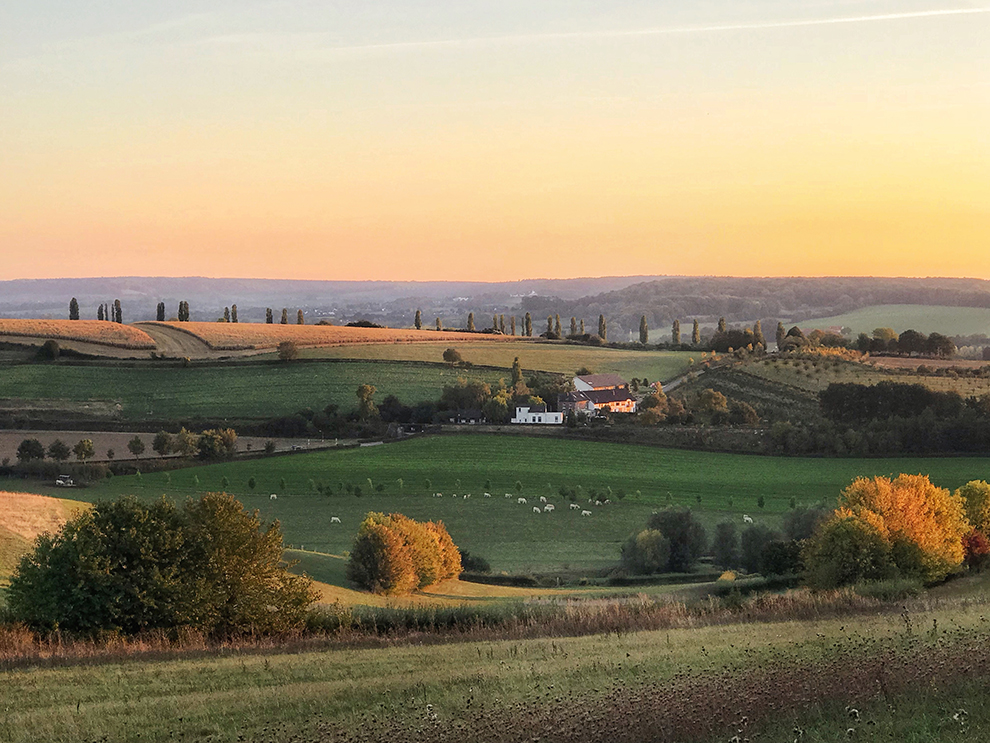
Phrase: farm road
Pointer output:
(176, 343)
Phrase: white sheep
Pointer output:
(521, 500)
(467, 496)
(607, 501)
(543, 499)
(598, 502)
(574, 506)
(585, 513)
(273, 497)
(508, 495)
(334, 519)
(536, 509)
(488, 495)
(548, 507)
(747, 519)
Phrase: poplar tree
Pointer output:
(99, 312)
(73, 309)
(556, 326)
(494, 322)
(269, 316)
(226, 314)
(758, 334)
(470, 322)
(549, 326)
(418, 321)
(696, 334)
(118, 315)
(233, 313)
(602, 328)
(644, 331)
(528, 327)
(516, 372)
(160, 313)
(512, 324)
(781, 334)
(501, 323)
(573, 326)
(439, 324)
(582, 327)
(721, 325)
(285, 316)
(300, 320)
(675, 333)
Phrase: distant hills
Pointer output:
(622, 299)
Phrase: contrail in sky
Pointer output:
(679, 30)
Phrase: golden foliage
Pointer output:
(923, 524)
(100, 332)
(976, 495)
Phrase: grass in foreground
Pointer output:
(694, 683)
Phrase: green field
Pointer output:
(229, 391)
(901, 317)
(508, 534)
(552, 357)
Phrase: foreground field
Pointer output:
(542, 356)
(901, 317)
(508, 534)
(687, 682)
(233, 391)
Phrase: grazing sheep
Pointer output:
(543, 499)
(598, 502)
(273, 497)
(585, 513)
(488, 495)
(607, 501)
(334, 520)
(747, 519)
(548, 507)
(536, 509)
(508, 495)
(438, 495)
(521, 500)
(467, 496)
(574, 506)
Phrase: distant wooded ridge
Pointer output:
(624, 300)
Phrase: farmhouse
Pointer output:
(594, 392)
(537, 414)
(465, 417)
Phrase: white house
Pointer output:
(537, 414)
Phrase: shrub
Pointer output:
(847, 550)
(646, 553)
(127, 567)
(474, 563)
(686, 536)
(977, 549)
(725, 545)
(287, 350)
(976, 496)
(754, 539)
(781, 558)
(801, 523)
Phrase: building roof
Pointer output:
(603, 380)
(598, 397)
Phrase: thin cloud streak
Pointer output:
(682, 30)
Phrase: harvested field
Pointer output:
(259, 336)
(98, 332)
(23, 517)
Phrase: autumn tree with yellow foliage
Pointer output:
(906, 526)
(395, 555)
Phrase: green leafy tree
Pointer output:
(185, 443)
(574, 326)
(847, 550)
(696, 334)
(418, 321)
(162, 443)
(217, 444)
(233, 313)
(136, 447)
(226, 314)
(252, 483)
(160, 312)
(452, 356)
(73, 309)
(84, 450)
(118, 315)
(269, 316)
(675, 333)
(646, 553)
(30, 450)
(111, 453)
(59, 451)
(380, 561)
(754, 540)
(644, 331)
(725, 545)
(976, 497)
(99, 313)
(686, 536)
(366, 405)
(287, 350)
(517, 374)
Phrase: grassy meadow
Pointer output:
(551, 357)
(508, 534)
(230, 391)
(900, 317)
(691, 681)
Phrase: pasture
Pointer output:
(231, 391)
(536, 355)
(509, 534)
(900, 317)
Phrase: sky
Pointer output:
(458, 140)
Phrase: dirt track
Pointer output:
(177, 344)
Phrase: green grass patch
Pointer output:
(508, 534)
(231, 391)
(901, 317)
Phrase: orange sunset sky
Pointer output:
(494, 140)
